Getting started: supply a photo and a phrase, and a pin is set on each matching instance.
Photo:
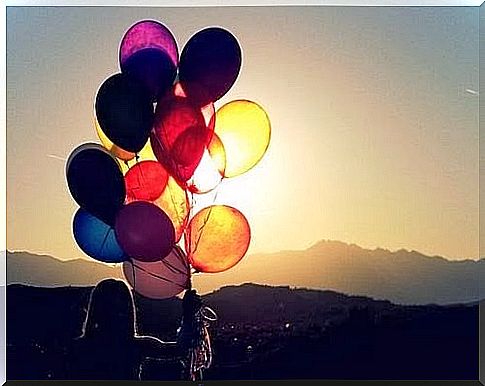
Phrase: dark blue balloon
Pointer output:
(96, 238)
(209, 65)
(95, 181)
(124, 109)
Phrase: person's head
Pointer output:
(111, 311)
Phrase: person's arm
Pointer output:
(154, 348)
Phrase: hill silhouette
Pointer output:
(404, 277)
(263, 332)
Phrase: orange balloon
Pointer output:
(175, 203)
(161, 279)
(217, 238)
(145, 181)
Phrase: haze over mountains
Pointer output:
(404, 277)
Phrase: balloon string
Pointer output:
(178, 252)
(140, 182)
(177, 209)
(174, 204)
(158, 276)
(206, 220)
(172, 268)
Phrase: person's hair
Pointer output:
(111, 312)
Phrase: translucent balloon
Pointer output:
(211, 168)
(145, 181)
(124, 111)
(245, 130)
(96, 238)
(175, 203)
(148, 34)
(117, 151)
(209, 65)
(159, 280)
(95, 181)
(217, 238)
(144, 231)
(179, 136)
(149, 52)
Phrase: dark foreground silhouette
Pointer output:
(262, 333)
(109, 347)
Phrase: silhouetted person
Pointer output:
(109, 347)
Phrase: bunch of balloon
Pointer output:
(162, 142)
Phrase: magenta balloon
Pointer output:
(144, 231)
(148, 34)
(161, 279)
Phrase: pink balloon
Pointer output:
(144, 231)
(159, 280)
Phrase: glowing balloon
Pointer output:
(144, 231)
(124, 111)
(145, 181)
(179, 136)
(245, 130)
(117, 151)
(149, 52)
(161, 279)
(95, 181)
(175, 203)
(217, 238)
(209, 65)
(96, 238)
(211, 168)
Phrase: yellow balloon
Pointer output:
(245, 130)
(117, 151)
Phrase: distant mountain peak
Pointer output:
(327, 243)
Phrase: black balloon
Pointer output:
(209, 65)
(124, 110)
(95, 181)
(154, 68)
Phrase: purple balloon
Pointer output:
(148, 34)
(144, 231)
(149, 52)
(209, 65)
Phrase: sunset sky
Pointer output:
(374, 115)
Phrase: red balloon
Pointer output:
(144, 231)
(180, 134)
(145, 181)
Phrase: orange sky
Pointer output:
(373, 111)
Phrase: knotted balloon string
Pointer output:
(199, 356)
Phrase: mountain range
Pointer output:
(403, 277)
